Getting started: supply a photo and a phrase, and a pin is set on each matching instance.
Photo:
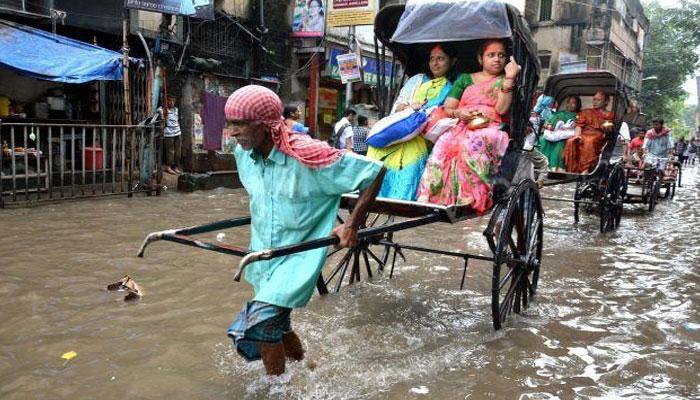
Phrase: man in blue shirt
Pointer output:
(294, 183)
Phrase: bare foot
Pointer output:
(168, 170)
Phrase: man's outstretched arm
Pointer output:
(347, 232)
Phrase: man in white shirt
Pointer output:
(342, 132)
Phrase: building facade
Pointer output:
(590, 35)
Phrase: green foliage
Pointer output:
(670, 56)
(682, 124)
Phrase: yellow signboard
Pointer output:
(351, 12)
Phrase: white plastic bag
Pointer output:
(442, 126)
(562, 131)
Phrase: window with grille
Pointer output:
(545, 10)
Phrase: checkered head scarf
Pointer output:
(258, 103)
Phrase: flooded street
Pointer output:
(616, 315)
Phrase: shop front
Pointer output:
(54, 112)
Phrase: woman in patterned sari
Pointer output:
(405, 161)
(465, 159)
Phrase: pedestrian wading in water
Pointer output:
(294, 183)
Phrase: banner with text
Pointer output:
(351, 12)
(202, 9)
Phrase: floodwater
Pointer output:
(616, 315)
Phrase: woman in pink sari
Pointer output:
(465, 158)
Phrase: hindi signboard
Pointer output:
(351, 12)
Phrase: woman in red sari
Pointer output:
(583, 149)
(466, 158)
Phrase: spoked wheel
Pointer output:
(611, 202)
(577, 198)
(517, 253)
(670, 191)
(350, 261)
(654, 194)
(673, 189)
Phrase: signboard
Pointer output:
(349, 68)
(308, 19)
(327, 118)
(327, 98)
(370, 68)
(203, 9)
(351, 12)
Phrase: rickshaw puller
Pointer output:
(294, 183)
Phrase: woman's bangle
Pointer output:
(507, 89)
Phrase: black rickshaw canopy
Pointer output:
(413, 55)
(585, 83)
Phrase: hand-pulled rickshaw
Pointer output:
(514, 231)
(602, 190)
(644, 183)
(671, 177)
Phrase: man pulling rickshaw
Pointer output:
(294, 184)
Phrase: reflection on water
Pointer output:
(608, 320)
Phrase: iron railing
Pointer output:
(48, 162)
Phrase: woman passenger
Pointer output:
(554, 151)
(405, 161)
(465, 158)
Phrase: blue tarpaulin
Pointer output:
(44, 55)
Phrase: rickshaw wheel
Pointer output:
(353, 258)
(654, 195)
(518, 252)
(577, 198)
(611, 203)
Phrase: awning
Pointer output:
(44, 55)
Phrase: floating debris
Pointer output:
(129, 285)
(420, 390)
(68, 356)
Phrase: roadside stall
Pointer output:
(52, 112)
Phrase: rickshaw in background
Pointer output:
(644, 183)
(671, 177)
(514, 231)
(602, 190)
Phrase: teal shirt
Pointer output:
(291, 203)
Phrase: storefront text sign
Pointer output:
(351, 12)
(203, 9)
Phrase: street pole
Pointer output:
(348, 86)
(125, 49)
(313, 95)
